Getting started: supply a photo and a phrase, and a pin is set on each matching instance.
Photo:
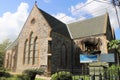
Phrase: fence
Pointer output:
(111, 74)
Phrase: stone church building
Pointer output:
(45, 42)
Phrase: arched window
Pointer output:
(31, 44)
(63, 56)
(25, 55)
(8, 59)
(35, 54)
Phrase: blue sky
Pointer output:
(13, 13)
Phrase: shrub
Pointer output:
(62, 76)
(31, 73)
(4, 74)
(2, 69)
(22, 77)
(113, 70)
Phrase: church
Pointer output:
(45, 42)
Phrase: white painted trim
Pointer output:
(69, 31)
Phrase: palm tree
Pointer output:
(115, 45)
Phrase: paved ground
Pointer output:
(37, 76)
(43, 77)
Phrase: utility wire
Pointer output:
(79, 8)
(88, 4)
(114, 3)
(102, 1)
(94, 12)
(117, 14)
(84, 6)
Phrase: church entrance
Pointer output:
(49, 65)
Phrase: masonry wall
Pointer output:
(7, 60)
(57, 42)
(10, 60)
(40, 28)
(103, 46)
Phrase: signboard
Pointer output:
(107, 58)
(88, 58)
(94, 58)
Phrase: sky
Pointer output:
(13, 13)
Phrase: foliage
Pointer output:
(28, 74)
(4, 74)
(2, 69)
(18, 77)
(21, 77)
(3, 46)
(15, 78)
(112, 72)
(78, 77)
(113, 69)
(114, 44)
(31, 73)
(62, 76)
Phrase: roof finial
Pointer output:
(35, 2)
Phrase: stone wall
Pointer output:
(103, 39)
(40, 28)
(7, 60)
(103, 49)
(57, 42)
(10, 60)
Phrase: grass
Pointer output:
(14, 78)
(79, 77)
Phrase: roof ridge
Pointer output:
(88, 19)
(88, 27)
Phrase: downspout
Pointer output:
(72, 47)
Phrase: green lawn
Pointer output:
(14, 78)
(78, 77)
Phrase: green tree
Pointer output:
(3, 46)
(115, 45)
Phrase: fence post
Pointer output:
(93, 77)
(100, 76)
(108, 77)
(118, 74)
(105, 75)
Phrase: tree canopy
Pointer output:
(3, 46)
(115, 45)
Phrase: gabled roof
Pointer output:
(55, 24)
(88, 27)
(12, 45)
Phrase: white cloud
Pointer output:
(95, 8)
(64, 18)
(11, 23)
(77, 10)
(46, 1)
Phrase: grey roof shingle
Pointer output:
(55, 24)
(88, 27)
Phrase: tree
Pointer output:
(115, 45)
(3, 46)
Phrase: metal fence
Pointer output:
(111, 74)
